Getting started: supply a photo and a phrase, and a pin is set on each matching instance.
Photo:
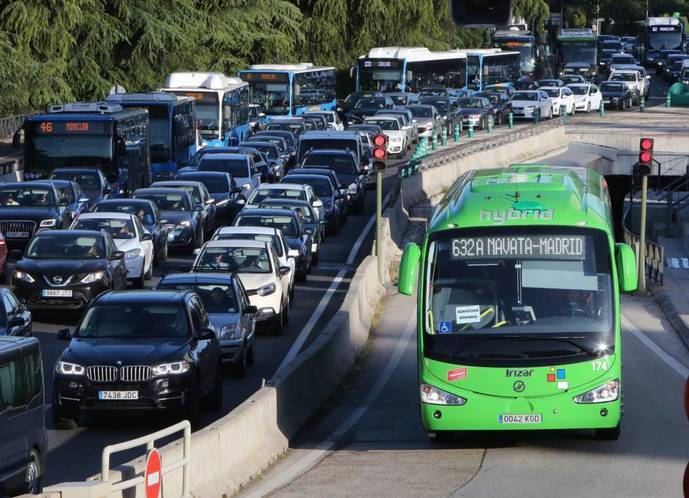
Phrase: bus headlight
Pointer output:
(602, 394)
(434, 396)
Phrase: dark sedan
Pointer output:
(342, 162)
(72, 200)
(91, 180)
(502, 106)
(149, 215)
(616, 95)
(446, 107)
(27, 207)
(475, 111)
(272, 153)
(15, 317)
(290, 150)
(139, 351)
(203, 202)
(368, 106)
(178, 216)
(66, 269)
(297, 236)
(224, 191)
(308, 217)
(327, 189)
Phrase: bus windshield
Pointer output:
(381, 79)
(665, 40)
(47, 152)
(526, 49)
(517, 295)
(159, 132)
(207, 111)
(270, 91)
(579, 51)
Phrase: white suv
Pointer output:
(393, 129)
(259, 269)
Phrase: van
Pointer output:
(331, 140)
(22, 415)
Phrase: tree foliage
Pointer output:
(66, 50)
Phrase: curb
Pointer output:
(673, 315)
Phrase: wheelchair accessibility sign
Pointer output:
(445, 328)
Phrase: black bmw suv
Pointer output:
(66, 269)
(139, 351)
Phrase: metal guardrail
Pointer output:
(655, 256)
(149, 440)
(10, 124)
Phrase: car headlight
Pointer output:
(293, 253)
(396, 139)
(602, 394)
(184, 224)
(66, 368)
(266, 290)
(173, 368)
(434, 396)
(230, 331)
(23, 276)
(48, 223)
(352, 188)
(246, 186)
(132, 253)
(93, 277)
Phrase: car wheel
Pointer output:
(139, 282)
(32, 479)
(285, 312)
(193, 408)
(572, 110)
(278, 325)
(315, 256)
(588, 107)
(149, 273)
(198, 240)
(538, 115)
(251, 356)
(291, 294)
(6, 277)
(609, 434)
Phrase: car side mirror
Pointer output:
(236, 190)
(117, 255)
(196, 252)
(64, 335)
(17, 138)
(251, 310)
(317, 203)
(15, 322)
(107, 191)
(308, 231)
(205, 334)
(147, 236)
(240, 201)
(284, 270)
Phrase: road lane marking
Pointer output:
(312, 457)
(327, 296)
(659, 352)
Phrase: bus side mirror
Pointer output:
(626, 268)
(409, 76)
(121, 146)
(351, 72)
(17, 138)
(409, 269)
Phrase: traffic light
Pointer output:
(380, 150)
(645, 156)
(481, 13)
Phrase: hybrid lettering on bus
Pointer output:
(90, 134)
(519, 280)
(172, 129)
(290, 89)
(222, 104)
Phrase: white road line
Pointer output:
(669, 360)
(675, 262)
(323, 303)
(312, 457)
(685, 262)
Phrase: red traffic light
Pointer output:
(380, 140)
(645, 157)
(645, 162)
(379, 154)
(646, 144)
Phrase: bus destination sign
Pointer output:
(279, 77)
(381, 63)
(70, 127)
(521, 247)
(672, 28)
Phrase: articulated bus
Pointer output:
(413, 68)
(222, 104)
(290, 89)
(662, 33)
(519, 280)
(90, 134)
(171, 127)
(530, 54)
(577, 45)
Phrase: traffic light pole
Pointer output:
(642, 236)
(379, 220)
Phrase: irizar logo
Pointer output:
(500, 216)
(518, 373)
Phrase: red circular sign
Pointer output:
(153, 475)
(379, 153)
(645, 157)
(379, 140)
(646, 143)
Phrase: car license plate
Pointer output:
(606, 101)
(17, 235)
(118, 395)
(519, 418)
(56, 293)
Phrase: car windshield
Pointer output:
(66, 194)
(287, 224)
(321, 186)
(441, 106)
(167, 202)
(612, 87)
(552, 92)
(342, 165)
(87, 181)
(572, 78)
(385, 124)
(238, 168)
(304, 213)
(214, 184)
(623, 77)
(508, 295)
(623, 59)
(268, 149)
(118, 228)
(235, 259)
(260, 194)
(470, 103)
(216, 298)
(66, 246)
(142, 211)
(525, 96)
(134, 321)
(378, 102)
(579, 90)
(273, 239)
(26, 196)
(421, 111)
(399, 99)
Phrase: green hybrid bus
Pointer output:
(519, 280)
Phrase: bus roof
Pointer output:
(303, 67)
(582, 34)
(93, 111)
(209, 81)
(525, 195)
(146, 98)
(662, 21)
(412, 54)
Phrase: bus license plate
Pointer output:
(56, 293)
(17, 235)
(118, 395)
(517, 418)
